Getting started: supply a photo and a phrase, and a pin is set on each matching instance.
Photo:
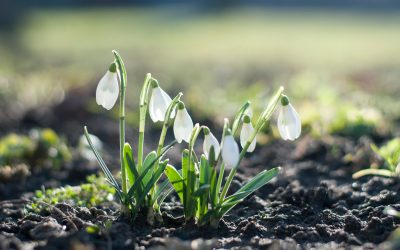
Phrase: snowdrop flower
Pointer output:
(246, 133)
(210, 141)
(159, 102)
(289, 123)
(183, 124)
(107, 90)
(230, 151)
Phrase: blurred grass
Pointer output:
(218, 59)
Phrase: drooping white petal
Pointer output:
(245, 134)
(159, 102)
(107, 90)
(210, 141)
(230, 152)
(183, 126)
(289, 123)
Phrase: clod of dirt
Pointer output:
(47, 229)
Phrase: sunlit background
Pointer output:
(339, 62)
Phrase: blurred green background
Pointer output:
(340, 66)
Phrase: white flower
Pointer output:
(210, 141)
(246, 133)
(108, 90)
(230, 151)
(159, 102)
(289, 123)
(183, 124)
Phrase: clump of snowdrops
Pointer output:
(199, 182)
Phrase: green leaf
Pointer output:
(213, 190)
(137, 185)
(211, 157)
(93, 229)
(257, 182)
(139, 180)
(131, 164)
(154, 178)
(103, 166)
(204, 185)
(219, 183)
(176, 180)
(162, 191)
(149, 161)
(201, 190)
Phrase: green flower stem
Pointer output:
(163, 135)
(144, 97)
(162, 138)
(234, 170)
(264, 118)
(166, 123)
(123, 79)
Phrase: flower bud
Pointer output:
(230, 151)
(210, 141)
(183, 124)
(108, 90)
(246, 133)
(289, 123)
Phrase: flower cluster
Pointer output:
(289, 123)
(199, 184)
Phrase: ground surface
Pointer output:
(313, 203)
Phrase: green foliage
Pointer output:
(199, 183)
(15, 147)
(43, 147)
(390, 153)
(95, 192)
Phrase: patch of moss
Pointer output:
(93, 193)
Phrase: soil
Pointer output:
(313, 203)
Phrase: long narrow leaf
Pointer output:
(150, 158)
(185, 173)
(128, 153)
(201, 190)
(143, 174)
(157, 174)
(103, 165)
(255, 183)
(137, 187)
(160, 189)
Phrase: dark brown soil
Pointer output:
(313, 203)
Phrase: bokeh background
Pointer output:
(338, 60)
